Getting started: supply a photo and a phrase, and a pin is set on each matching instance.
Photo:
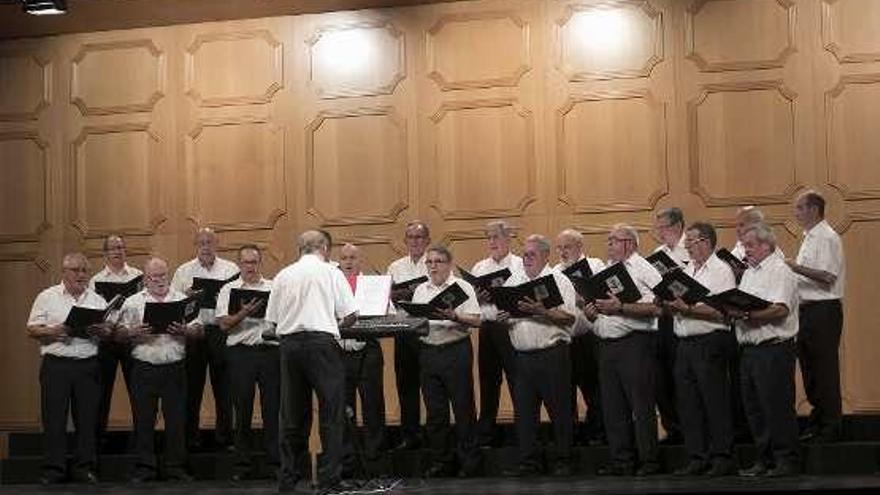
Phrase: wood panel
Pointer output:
(550, 114)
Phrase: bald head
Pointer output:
(156, 278)
(570, 246)
(313, 242)
(206, 245)
(746, 217)
(75, 273)
(350, 260)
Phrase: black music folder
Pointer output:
(677, 284)
(737, 299)
(208, 288)
(240, 297)
(160, 315)
(487, 281)
(451, 298)
(109, 290)
(736, 264)
(580, 269)
(613, 280)
(662, 262)
(543, 289)
(80, 318)
(409, 286)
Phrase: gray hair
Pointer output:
(418, 224)
(500, 226)
(311, 241)
(71, 259)
(751, 214)
(541, 241)
(572, 234)
(627, 230)
(763, 233)
(673, 215)
(442, 251)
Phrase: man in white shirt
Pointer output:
(584, 353)
(253, 361)
(68, 371)
(627, 361)
(494, 352)
(309, 301)
(363, 375)
(821, 271)
(447, 358)
(209, 352)
(112, 352)
(417, 238)
(158, 373)
(766, 338)
(669, 231)
(701, 362)
(543, 361)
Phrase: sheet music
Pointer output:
(372, 294)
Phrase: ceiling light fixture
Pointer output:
(45, 7)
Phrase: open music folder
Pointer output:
(109, 290)
(677, 284)
(159, 315)
(614, 280)
(487, 281)
(662, 262)
(580, 269)
(450, 298)
(543, 290)
(208, 288)
(409, 286)
(80, 318)
(737, 299)
(239, 297)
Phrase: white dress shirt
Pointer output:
(51, 308)
(529, 334)
(645, 276)
(221, 269)
(444, 331)
(771, 280)
(678, 253)
(489, 265)
(250, 330)
(582, 325)
(716, 276)
(159, 349)
(107, 275)
(403, 269)
(821, 250)
(309, 296)
(740, 252)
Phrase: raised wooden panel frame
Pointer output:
(705, 65)
(273, 84)
(446, 83)
(149, 101)
(45, 68)
(831, 41)
(851, 192)
(43, 225)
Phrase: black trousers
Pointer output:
(585, 376)
(150, 384)
(667, 405)
(543, 376)
(311, 361)
(110, 355)
(65, 384)
(250, 367)
(494, 356)
(627, 368)
(767, 378)
(202, 355)
(406, 374)
(741, 431)
(363, 376)
(447, 379)
(821, 324)
(701, 366)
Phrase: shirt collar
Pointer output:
(445, 284)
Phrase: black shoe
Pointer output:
(179, 476)
(139, 478)
(648, 469)
(521, 471)
(722, 467)
(615, 470)
(52, 478)
(86, 476)
(562, 470)
(439, 471)
(757, 470)
(408, 443)
(783, 470)
(693, 468)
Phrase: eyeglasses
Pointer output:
(618, 239)
(435, 261)
(691, 242)
(79, 269)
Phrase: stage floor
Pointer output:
(510, 486)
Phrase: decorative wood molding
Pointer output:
(573, 75)
(503, 81)
(451, 236)
(605, 228)
(570, 103)
(45, 67)
(848, 191)
(44, 224)
(386, 88)
(705, 65)
(79, 100)
(275, 84)
(194, 215)
(697, 186)
(519, 208)
(77, 198)
(402, 203)
(832, 45)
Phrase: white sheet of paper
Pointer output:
(372, 294)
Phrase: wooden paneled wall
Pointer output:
(548, 113)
